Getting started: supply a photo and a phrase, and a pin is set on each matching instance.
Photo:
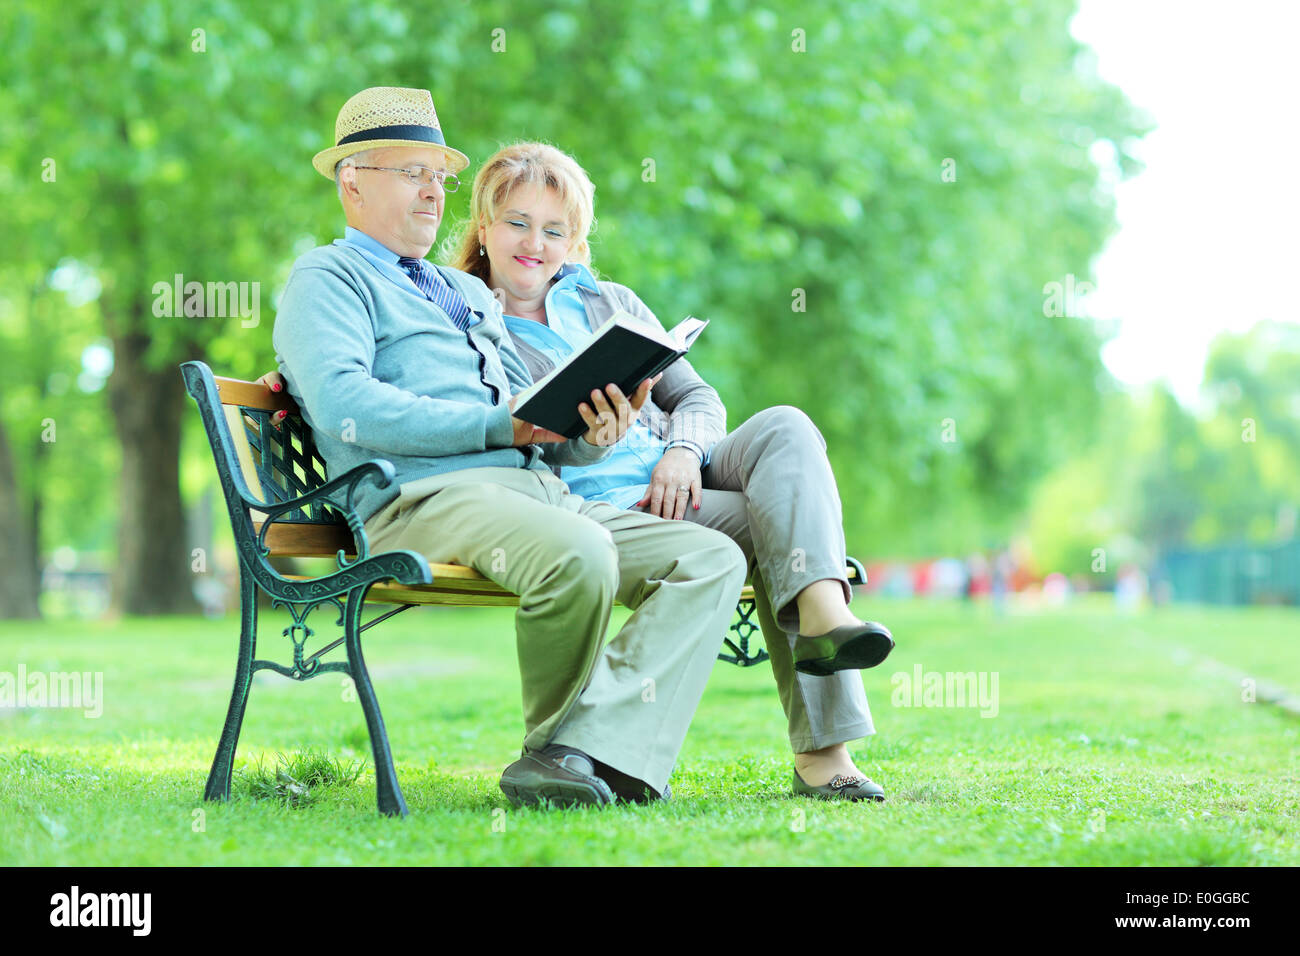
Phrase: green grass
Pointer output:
(298, 779)
(1111, 746)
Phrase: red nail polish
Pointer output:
(275, 387)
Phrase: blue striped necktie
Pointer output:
(437, 290)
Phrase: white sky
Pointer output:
(1208, 232)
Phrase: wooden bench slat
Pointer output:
(234, 391)
(453, 586)
(426, 595)
(299, 540)
(433, 595)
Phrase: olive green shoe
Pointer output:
(841, 787)
(851, 647)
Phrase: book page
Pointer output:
(685, 332)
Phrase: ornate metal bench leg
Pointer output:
(218, 787)
(388, 791)
(744, 627)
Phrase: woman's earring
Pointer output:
(480, 250)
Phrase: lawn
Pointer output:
(1114, 743)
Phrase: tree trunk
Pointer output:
(20, 580)
(153, 573)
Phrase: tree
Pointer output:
(911, 178)
(1174, 478)
(159, 134)
(788, 175)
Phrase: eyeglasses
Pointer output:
(422, 176)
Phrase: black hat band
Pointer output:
(424, 134)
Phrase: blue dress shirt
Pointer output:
(386, 261)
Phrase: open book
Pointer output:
(625, 350)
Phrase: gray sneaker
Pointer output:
(562, 776)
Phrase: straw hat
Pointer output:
(386, 116)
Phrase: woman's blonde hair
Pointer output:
(526, 164)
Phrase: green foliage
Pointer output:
(1172, 478)
(52, 407)
(791, 151)
(822, 171)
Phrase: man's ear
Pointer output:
(350, 183)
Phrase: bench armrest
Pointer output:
(378, 470)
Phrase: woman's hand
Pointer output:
(608, 423)
(275, 382)
(674, 482)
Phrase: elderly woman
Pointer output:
(767, 484)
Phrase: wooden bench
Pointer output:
(281, 505)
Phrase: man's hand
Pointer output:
(674, 482)
(527, 433)
(610, 422)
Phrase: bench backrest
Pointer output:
(264, 462)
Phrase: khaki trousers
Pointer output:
(627, 703)
(769, 487)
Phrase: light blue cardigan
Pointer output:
(381, 373)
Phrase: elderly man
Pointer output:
(392, 357)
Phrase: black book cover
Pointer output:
(625, 350)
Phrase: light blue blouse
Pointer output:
(622, 478)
